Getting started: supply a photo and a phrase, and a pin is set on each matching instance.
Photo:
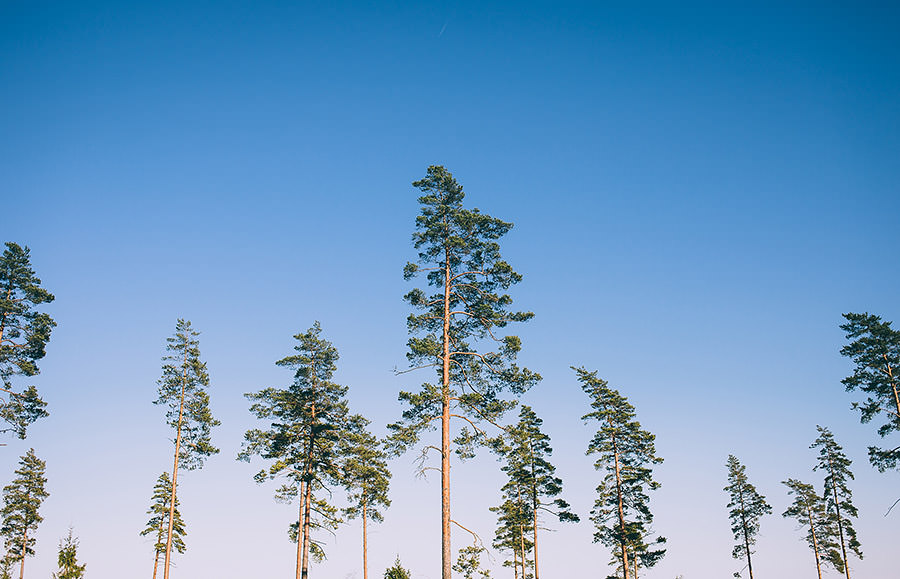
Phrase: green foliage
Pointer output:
(746, 506)
(468, 563)
(626, 453)
(68, 559)
(22, 499)
(183, 391)
(838, 496)
(309, 430)
(531, 483)
(365, 472)
(158, 525)
(24, 333)
(809, 510)
(875, 349)
(460, 257)
(397, 571)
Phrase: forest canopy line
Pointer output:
(331, 468)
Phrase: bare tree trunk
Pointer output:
(812, 530)
(446, 556)
(300, 532)
(746, 533)
(522, 546)
(365, 540)
(175, 469)
(534, 509)
(621, 507)
(304, 573)
(155, 564)
(24, 547)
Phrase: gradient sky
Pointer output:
(699, 190)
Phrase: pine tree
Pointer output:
(158, 525)
(514, 520)
(621, 512)
(809, 510)
(24, 333)
(468, 563)
(396, 571)
(838, 497)
(875, 349)
(747, 507)
(460, 257)
(22, 499)
(308, 421)
(183, 391)
(68, 559)
(366, 478)
(524, 450)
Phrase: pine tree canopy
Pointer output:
(158, 524)
(24, 333)
(837, 494)
(809, 510)
(68, 559)
(747, 507)
(22, 499)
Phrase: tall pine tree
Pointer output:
(809, 510)
(22, 500)
(183, 391)
(460, 258)
(307, 422)
(158, 525)
(875, 349)
(838, 497)
(747, 507)
(525, 451)
(366, 478)
(626, 453)
(24, 333)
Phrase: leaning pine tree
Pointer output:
(22, 499)
(460, 258)
(626, 453)
(158, 525)
(307, 422)
(183, 391)
(838, 497)
(747, 507)
(24, 333)
(809, 510)
(875, 349)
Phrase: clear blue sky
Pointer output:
(699, 189)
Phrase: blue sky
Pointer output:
(698, 190)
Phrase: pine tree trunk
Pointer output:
(746, 533)
(840, 522)
(445, 429)
(175, 469)
(522, 546)
(634, 559)
(307, 497)
(890, 372)
(24, 547)
(299, 532)
(304, 573)
(534, 509)
(365, 539)
(155, 564)
(812, 530)
(621, 507)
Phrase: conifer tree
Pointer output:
(24, 333)
(838, 497)
(875, 349)
(513, 533)
(183, 391)
(524, 450)
(22, 499)
(747, 507)
(67, 559)
(626, 453)
(468, 563)
(809, 510)
(158, 525)
(396, 571)
(308, 421)
(366, 478)
(460, 258)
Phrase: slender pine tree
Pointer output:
(308, 421)
(626, 453)
(22, 500)
(183, 391)
(875, 349)
(158, 525)
(838, 497)
(24, 333)
(366, 478)
(747, 508)
(468, 563)
(67, 558)
(809, 509)
(460, 258)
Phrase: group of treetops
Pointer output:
(313, 444)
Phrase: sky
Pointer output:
(699, 191)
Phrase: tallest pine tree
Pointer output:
(460, 258)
